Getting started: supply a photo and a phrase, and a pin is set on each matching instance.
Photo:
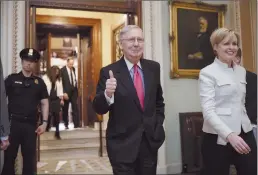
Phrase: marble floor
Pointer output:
(93, 165)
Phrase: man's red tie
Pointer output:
(138, 84)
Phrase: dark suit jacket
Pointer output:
(67, 87)
(127, 121)
(4, 115)
(251, 96)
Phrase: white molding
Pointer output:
(20, 33)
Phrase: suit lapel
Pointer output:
(66, 72)
(147, 76)
(124, 77)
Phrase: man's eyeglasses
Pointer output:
(133, 40)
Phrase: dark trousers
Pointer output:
(21, 133)
(218, 158)
(56, 117)
(73, 100)
(145, 163)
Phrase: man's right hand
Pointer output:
(4, 144)
(111, 85)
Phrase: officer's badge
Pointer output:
(36, 81)
(30, 52)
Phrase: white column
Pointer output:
(12, 34)
(6, 36)
(152, 27)
(147, 28)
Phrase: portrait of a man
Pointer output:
(192, 26)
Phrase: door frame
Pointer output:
(132, 7)
(96, 50)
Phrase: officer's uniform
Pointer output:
(24, 96)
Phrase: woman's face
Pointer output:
(227, 49)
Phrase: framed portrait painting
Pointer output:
(117, 52)
(190, 30)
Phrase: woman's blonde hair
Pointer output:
(219, 34)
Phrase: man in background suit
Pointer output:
(130, 91)
(251, 94)
(70, 93)
(4, 118)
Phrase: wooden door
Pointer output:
(88, 82)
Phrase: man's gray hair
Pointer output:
(126, 29)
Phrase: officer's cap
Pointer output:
(30, 54)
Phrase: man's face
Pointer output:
(28, 65)
(132, 44)
(203, 25)
(70, 64)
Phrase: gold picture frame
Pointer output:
(190, 28)
(117, 52)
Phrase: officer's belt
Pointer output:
(23, 118)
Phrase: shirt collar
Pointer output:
(130, 65)
(224, 65)
(21, 73)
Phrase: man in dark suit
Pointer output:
(70, 93)
(4, 118)
(130, 91)
(251, 94)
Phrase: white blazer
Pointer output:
(58, 87)
(222, 94)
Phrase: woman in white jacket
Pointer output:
(228, 137)
(55, 89)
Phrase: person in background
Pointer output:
(70, 90)
(25, 93)
(4, 119)
(251, 94)
(228, 136)
(55, 90)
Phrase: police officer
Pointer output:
(25, 92)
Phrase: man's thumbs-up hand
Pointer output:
(110, 84)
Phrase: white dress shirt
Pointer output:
(69, 75)
(130, 67)
(222, 94)
(58, 86)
